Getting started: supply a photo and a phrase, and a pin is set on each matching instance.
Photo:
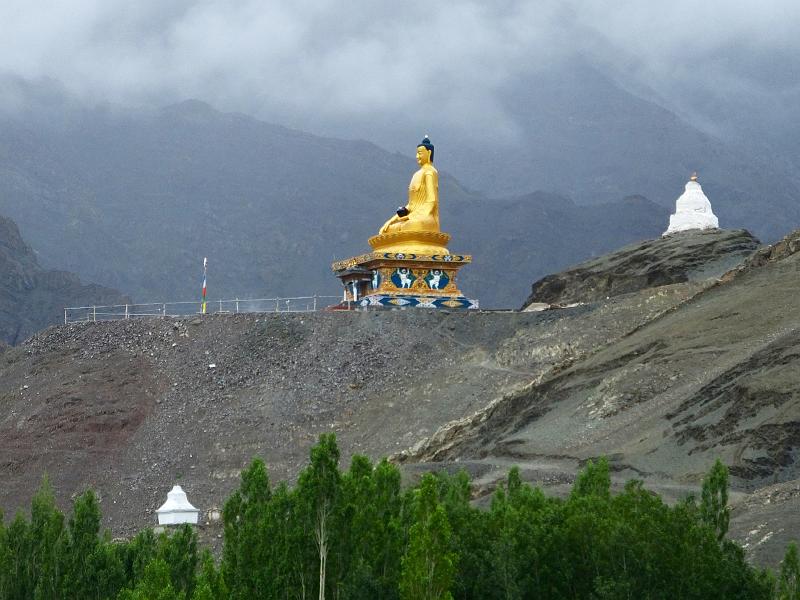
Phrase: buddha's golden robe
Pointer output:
(423, 204)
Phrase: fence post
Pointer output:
(126, 311)
(220, 306)
(65, 316)
(94, 314)
(237, 306)
(277, 305)
(315, 303)
(164, 310)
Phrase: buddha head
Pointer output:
(424, 151)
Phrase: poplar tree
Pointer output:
(47, 544)
(155, 584)
(714, 509)
(210, 584)
(5, 559)
(245, 566)
(429, 565)
(594, 480)
(137, 554)
(389, 531)
(20, 582)
(789, 581)
(179, 552)
(319, 489)
(358, 539)
(83, 530)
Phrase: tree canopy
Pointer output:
(357, 534)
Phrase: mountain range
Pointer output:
(134, 199)
(31, 298)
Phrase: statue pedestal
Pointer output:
(425, 243)
(403, 280)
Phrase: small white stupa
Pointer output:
(692, 210)
(176, 509)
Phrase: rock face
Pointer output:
(32, 298)
(688, 256)
(692, 210)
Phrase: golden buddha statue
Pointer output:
(415, 227)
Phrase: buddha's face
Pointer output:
(423, 155)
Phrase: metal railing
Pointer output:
(115, 312)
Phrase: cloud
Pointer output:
(322, 61)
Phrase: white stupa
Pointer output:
(692, 210)
(176, 509)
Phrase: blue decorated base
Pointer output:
(441, 302)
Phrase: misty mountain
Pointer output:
(575, 130)
(135, 199)
(31, 297)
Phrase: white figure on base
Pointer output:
(405, 280)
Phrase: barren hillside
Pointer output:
(662, 380)
(131, 407)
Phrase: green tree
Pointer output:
(429, 565)
(246, 548)
(714, 509)
(137, 554)
(5, 560)
(210, 583)
(369, 537)
(110, 576)
(789, 580)
(179, 552)
(20, 582)
(594, 480)
(503, 575)
(319, 490)
(469, 537)
(203, 592)
(358, 531)
(155, 584)
(532, 518)
(390, 533)
(286, 546)
(47, 549)
(93, 567)
(81, 548)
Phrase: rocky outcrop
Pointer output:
(32, 298)
(688, 256)
(784, 248)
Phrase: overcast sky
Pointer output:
(311, 61)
